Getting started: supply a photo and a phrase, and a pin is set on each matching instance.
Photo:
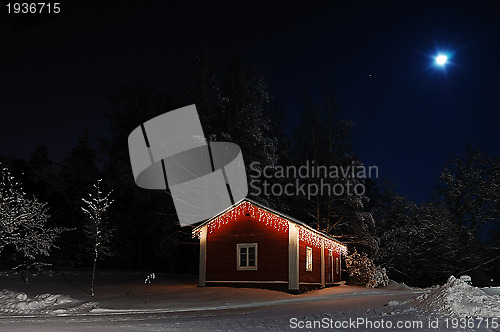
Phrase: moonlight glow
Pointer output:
(441, 59)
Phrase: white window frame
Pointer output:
(238, 257)
(309, 259)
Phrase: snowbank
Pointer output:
(397, 286)
(20, 303)
(494, 291)
(457, 298)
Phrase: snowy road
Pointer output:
(274, 317)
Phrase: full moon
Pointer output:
(441, 59)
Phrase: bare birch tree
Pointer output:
(96, 228)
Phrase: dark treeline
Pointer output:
(455, 232)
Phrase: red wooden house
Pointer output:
(249, 243)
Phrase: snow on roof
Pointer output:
(305, 230)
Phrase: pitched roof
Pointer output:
(279, 214)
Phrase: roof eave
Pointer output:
(284, 216)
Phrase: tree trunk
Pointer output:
(26, 278)
(93, 274)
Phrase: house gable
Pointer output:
(273, 219)
(243, 227)
(242, 209)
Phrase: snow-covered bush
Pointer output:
(362, 271)
(359, 268)
(378, 277)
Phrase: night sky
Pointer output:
(378, 57)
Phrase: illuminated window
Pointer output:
(309, 259)
(247, 256)
(337, 265)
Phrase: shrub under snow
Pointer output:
(378, 277)
(363, 272)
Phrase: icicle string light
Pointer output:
(316, 240)
(274, 221)
(246, 208)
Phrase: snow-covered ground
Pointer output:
(61, 302)
(127, 292)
